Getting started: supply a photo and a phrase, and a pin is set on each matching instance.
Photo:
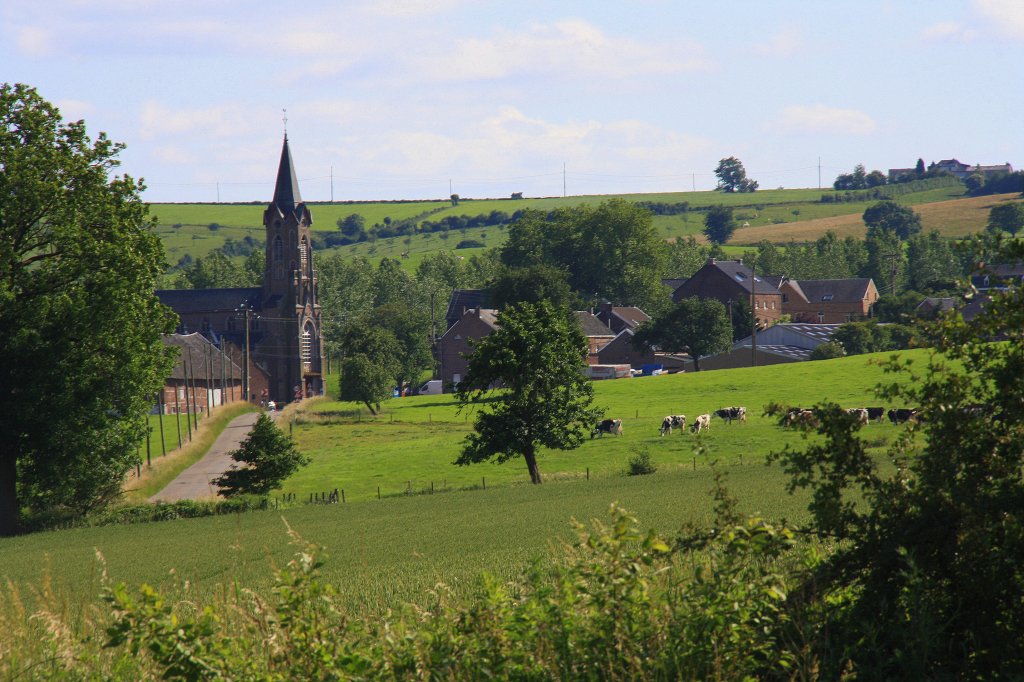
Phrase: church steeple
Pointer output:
(286, 191)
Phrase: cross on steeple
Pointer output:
(285, 119)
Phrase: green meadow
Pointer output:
(185, 228)
(397, 548)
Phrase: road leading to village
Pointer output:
(195, 483)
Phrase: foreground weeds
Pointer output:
(618, 604)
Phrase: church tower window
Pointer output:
(278, 248)
(304, 252)
(307, 342)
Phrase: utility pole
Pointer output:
(693, 180)
(247, 311)
(753, 318)
(332, 184)
(819, 172)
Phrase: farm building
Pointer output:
(205, 375)
(730, 281)
(779, 344)
(278, 321)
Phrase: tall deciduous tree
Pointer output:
(693, 326)
(1008, 217)
(79, 323)
(537, 356)
(888, 216)
(269, 455)
(719, 224)
(732, 176)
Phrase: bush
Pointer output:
(470, 244)
(828, 351)
(641, 463)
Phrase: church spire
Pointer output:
(286, 192)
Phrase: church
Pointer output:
(276, 326)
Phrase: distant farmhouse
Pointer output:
(954, 167)
(279, 321)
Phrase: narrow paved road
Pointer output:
(195, 482)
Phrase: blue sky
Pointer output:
(401, 99)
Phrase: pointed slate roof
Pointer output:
(741, 274)
(286, 191)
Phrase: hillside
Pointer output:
(776, 215)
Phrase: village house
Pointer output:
(730, 281)
(827, 301)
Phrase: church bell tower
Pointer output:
(291, 349)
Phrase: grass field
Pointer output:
(412, 444)
(395, 549)
(776, 215)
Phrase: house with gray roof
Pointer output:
(730, 281)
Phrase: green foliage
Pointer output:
(641, 463)
(611, 252)
(890, 217)
(932, 265)
(1008, 217)
(897, 308)
(80, 323)
(719, 224)
(602, 613)
(537, 356)
(868, 336)
(367, 380)
(693, 326)
(828, 351)
(218, 271)
(532, 284)
(925, 581)
(269, 455)
(732, 176)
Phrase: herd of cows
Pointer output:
(794, 417)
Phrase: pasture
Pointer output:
(410, 446)
(396, 549)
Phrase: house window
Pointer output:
(849, 317)
(821, 317)
(826, 297)
(785, 298)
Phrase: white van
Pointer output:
(432, 387)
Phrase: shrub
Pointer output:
(470, 244)
(641, 463)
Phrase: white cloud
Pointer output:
(34, 41)
(785, 43)
(1007, 15)
(412, 8)
(822, 119)
(949, 31)
(158, 120)
(571, 48)
(173, 155)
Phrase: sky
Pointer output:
(418, 99)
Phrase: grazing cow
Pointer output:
(604, 426)
(730, 413)
(860, 413)
(701, 423)
(799, 416)
(901, 415)
(876, 413)
(676, 420)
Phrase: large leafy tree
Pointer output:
(1008, 217)
(611, 252)
(269, 457)
(732, 176)
(694, 326)
(370, 365)
(533, 364)
(79, 323)
(888, 216)
(531, 284)
(719, 224)
(924, 579)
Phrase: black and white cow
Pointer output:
(676, 420)
(876, 413)
(730, 413)
(860, 413)
(901, 415)
(612, 426)
(701, 423)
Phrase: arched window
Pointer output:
(278, 248)
(304, 252)
(308, 334)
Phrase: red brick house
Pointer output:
(617, 318)
(598, 335)
(828, 301)
(204, 377)
(730, 281)
(454, 347)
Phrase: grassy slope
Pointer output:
(776, 215)
(398, 547)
